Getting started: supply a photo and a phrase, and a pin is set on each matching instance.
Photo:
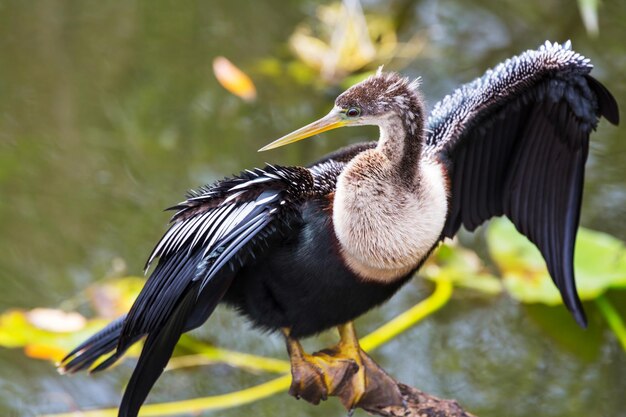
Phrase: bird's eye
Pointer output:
(353, 112)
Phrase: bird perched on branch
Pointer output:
(304, 249)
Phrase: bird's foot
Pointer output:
(317, 376)
(344, 371)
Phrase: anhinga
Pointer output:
(303, 249)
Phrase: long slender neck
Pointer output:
(389, 206)
(401, 142)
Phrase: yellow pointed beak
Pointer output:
(332, 120)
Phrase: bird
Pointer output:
(303, 249)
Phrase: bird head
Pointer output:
(370, 102)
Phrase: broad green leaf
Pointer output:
(600, 264)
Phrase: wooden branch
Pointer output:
(417, 403)
(386, 397)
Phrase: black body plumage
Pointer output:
(513, 143)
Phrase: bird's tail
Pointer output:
(87, 353)
(156, 352)
(194, 303)
(106, 341)
(192, 309)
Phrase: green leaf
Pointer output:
(600, 264)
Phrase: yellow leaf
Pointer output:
(46, 352)
(12, 326)
(233, 79)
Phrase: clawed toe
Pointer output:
(344, 371)
(307, 383)
(316, 377)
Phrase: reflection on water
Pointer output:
(109, 111)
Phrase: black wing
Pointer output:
(215, 231)
(515, 142)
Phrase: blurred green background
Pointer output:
(109, 111)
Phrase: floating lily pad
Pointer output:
(600, 264)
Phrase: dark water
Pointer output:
(109, 111)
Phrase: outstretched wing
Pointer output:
(215, 231)
(515, 142)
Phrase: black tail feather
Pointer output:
(101, 343)
(193, 309)
(156, 353)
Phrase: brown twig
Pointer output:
(382, 395)
(419, 404)
(387, 397)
